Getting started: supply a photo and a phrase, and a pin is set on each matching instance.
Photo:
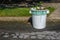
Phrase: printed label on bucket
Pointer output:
(39, 12)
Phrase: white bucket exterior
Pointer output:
(39, 22)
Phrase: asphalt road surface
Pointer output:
(23, 31)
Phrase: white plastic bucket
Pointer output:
(39, 18)
(39, 22)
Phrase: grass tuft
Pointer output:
(16, 12)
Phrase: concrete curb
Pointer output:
(24, 19)
(14, 18)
